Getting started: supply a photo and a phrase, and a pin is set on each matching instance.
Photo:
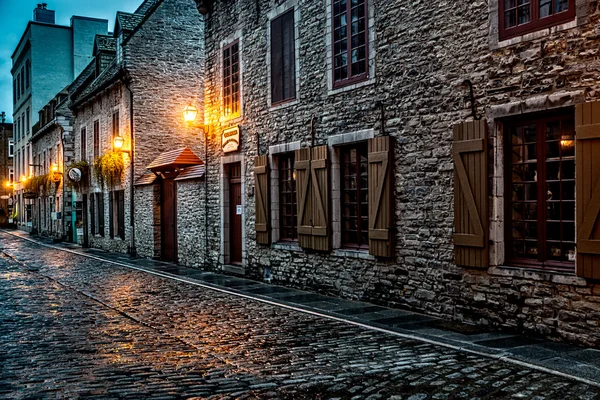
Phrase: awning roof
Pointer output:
(147, 179)
(195, 172)
(179, 158)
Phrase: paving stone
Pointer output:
(83, 328)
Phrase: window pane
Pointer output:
(561, 5)
(524, 14)
(545, 8)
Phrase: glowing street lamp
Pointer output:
(118, 143)
(54, 168)
(189, 113)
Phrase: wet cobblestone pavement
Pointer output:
(73, 327)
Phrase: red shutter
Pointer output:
(261, 181)
(587, 158)
(380, 196)
(469, 152)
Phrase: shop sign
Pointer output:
(75, 175)
(230, 141)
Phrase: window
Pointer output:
(27, 117)
(350, 41)
(283, 58)
(18, 128)
(96, 139)
(14, 91)
(27, 73)
(117, 214)
(83, 144)
(11, 175)
(288, 221)
(231, 79)
(100, 213)
(23, 124)
(18, 86)
(11, 148)
(93, 214)
(522, 16)
(354, 192)
(541, 193)
(115, 124)
(22, 80)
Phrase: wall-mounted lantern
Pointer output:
(190, 113)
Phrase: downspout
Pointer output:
(205, 196)
(62, 211)
(132, 249)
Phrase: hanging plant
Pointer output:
(108, 168)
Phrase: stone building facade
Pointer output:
(50, 143)
(485, 118)
(135, 89)
(7, 172)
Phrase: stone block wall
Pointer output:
(422, 54)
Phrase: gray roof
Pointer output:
(105, 43)
(128, 21)
(146, 6)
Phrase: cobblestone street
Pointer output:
(74, 327)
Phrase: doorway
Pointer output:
(168, 213)
(235, 213)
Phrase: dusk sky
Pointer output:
(14, 15)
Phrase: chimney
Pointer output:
(42, 14)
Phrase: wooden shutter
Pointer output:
(303, 197)
(121, 213)
(469, 152)
(93, 214)
(319, 177)
(261, 181)
(100, 205)
(380, 196)
(587, 176)
(111, 215)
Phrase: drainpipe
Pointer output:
(206, 252)
(132, 249)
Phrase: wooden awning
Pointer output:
(195, 172)
(146, 179)
(175, 159)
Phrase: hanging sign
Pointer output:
(75, 174)
(230, 141)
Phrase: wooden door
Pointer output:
(84, 206)
(168, 211)
(235, 214)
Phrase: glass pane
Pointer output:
(568, 210)
(568, 231)
(552, 171)
(530, 191)
(530, 152)
(554, 251)
(518, 246)
(517, 154)
(553, 211)
(568, 250)
(510, 19)
(568, 190)
(517, 135)
(531, 211)
(553, 191)
(545, 8)
(524, 14)
(517, 211)
(567, 145)
(530, 133)
(553, 130)
(518, 229)
(567, 170)
(561, 5)
(531, 250)
(531, 172)
(552, 150)
(510, 4)
(518, 192)
(531, 231)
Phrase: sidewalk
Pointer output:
(562, 359)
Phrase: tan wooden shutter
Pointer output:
(303, 198)
(319, 177)
(380, 196)
(261, 180)
(587, 175)
(469, 152)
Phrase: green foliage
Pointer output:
(108, 168)
(39, 184)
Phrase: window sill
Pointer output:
(283, 104)
(543, 32)
(357, 254)
(562, 278)
(350, 87)
(289, 246)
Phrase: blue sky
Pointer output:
(14, 15)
